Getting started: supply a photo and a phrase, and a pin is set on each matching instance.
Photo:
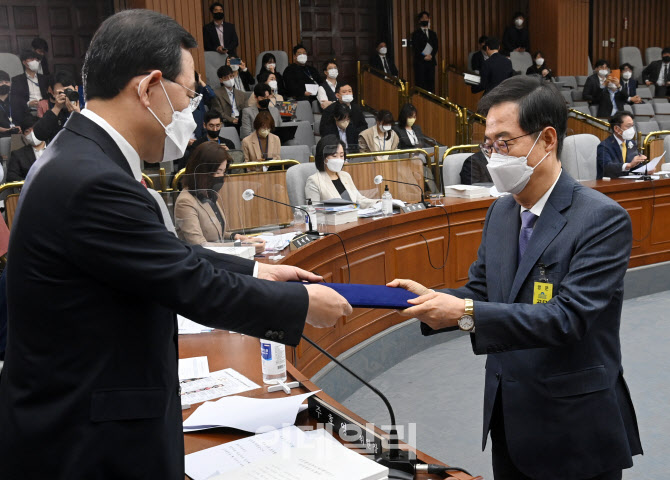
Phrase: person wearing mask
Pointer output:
(198, 211)
(22, 159)
(326, 93)
(244, 80)
(516, 37)
(480, 55)
(229, 101)
(383, 60)
(618, 153)
(331, 181)
(63, 100)
(474, 170)
(657, 73)
(7, 125)
(298, 74)
(539, 67)
(269, 64)
(29, 87)
(495, 70)
(344, 118)
(629, 84)
(211, 125)
(380, 137)
(604, 90)
(425, 46)
(261, 144)
(219, 36)
(409, 133)
(262, 95)
(90, 248)
(41, 47)
(270, 79)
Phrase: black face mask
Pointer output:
(218, 16)
(213, 133)
(4, 89)
(423, 23)
(218, 185)
(666, 59)
(264, 104)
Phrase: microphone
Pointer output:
(379, 179)
(248, 194)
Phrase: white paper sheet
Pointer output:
(311, 88)
(216, 385)
(427, 50)
(248, 414)
(277, 242)
(189, 327)
(190, 368)
(650, 166)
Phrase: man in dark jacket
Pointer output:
(219, 36)
(29, 87)
(495, 70)
(63, 100)
(298, 75)
(22, 159)
(344, 118)
(604, 90)
(425, 46)
(516, 37)
(658, 73)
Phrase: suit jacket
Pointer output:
(320, 187)
(50, 124)
(535, 70)
(20, 94)
(478, 60)
(19, 163)
(249, 115)
(367, 142)
(494, 71)
(403, 137)
(195, 221)
(96, 358)
(474, 170)
(567, 410)
(295, 78)
(210, 38)
(629, 88)
(609, 157)
(419, 41)
(601, 97)
(221, 103)
(376, 62)
(357, 124)
(653, 70)
(252, 150)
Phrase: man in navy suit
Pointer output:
(629, 84)
(219, 36)
(90, 383)
(494, 70)
(617, 155)
(543, 302)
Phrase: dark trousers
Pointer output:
(503, 467)
(661, 92)
(424, 75)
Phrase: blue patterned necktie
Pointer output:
(527, 221)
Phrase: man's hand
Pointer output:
(243, 66)
(614, 80)
(33, 103)
(428, 58)
(235, 121)
(636, 161)
(71, 107)
(326, 306)
(409, 285)
(307, 94)
(545, 72)
(286, 273)
(221, 50)
(636, 99)
(191, 141)
(647, 82)
(437, 310)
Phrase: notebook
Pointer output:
(373, 296)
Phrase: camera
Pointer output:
(72, 95)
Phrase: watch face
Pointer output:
(466, 323)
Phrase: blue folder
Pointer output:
(373, 296)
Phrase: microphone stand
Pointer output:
(423, 196)
(310, 230)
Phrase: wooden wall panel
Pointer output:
(436, 120)
(576, 127)
(647, 26)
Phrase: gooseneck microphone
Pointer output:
(379, 179)
(248, 194)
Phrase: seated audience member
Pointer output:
(494, 70)
(382, 60)
(298, 74)
(618, 154)
(29, 87)
(516, 37)
(63, 100)
(229, 101)
(539, 67)
(219, 36)
(658, 73)
(262, 95)
(244, 80)
(7, 125)
(262, 145)
(604, 90)
(212, 123)
(480, 55)
(344, 118)
(41, 47)
(629, 84)
(198, 211)
(326, 94)
(269, 79)
(380, 137)
(474, 170)
(22, 159)
(270, 65)
(409, 133)
(199, 113)
(331, 181)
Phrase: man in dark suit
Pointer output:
(658, 73)
(474, 170)
(63, 100)
(480, 55)
(424, 62)
(629, 84)
(344, 118)
(516, 37)
(219, 36)
(618, 153)
(29, 87)
(229, 101)
(22, 159)
(383, 60)
(543, 302)
(212, 123)
(90, 382)
(604, 90)
(494, 70)
(298, 74)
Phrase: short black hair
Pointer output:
(224, 71)
(492, 43)
(340, 86)
(601, 61)
(211, 115)
(132, 43)
(539, 52)
(406, 111)
(325, 64)
(4, 76)
(665, 50)
(28, 121)
(540, 104)
(341, 111)
(626, 65)
(518, 14)
(267, 57)
(39, 43)
(327, 146)
(384, 116)
(215, 4)
(482, 39)
(618, 118)
(261, 89)
(63, 77)
(264, 75)
(422, 13)
(28, 53)
(298, 47)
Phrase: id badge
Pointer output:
(542, 292)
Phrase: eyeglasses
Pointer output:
(194, 100)
(500, 146)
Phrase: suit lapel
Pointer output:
(504, 251)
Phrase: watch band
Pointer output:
(469, 307)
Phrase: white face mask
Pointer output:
(383, 50)
(612, 86)
(178, 131)
(603, 73)
(335, 164)
(628, 134)
(386, 128)
(627, 75)
(347, 98)
(235, 67)
(271, 66)
(32, 139)
(539, 62)
(229, 83)
(273, 84)
(332, 73)
(343, 125)
(302, 59)
(34, 65)
(511, 174)
(518, 22)
(264, 132)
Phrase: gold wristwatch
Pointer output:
(467, 321)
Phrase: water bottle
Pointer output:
(299, 219)
(273, 360)
(311, 213)
(387, 202)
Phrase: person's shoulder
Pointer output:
(19, 78)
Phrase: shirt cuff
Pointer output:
(623, 167)
(255, 274)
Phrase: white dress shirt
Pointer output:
(34, 92)
(231, 95)
(412, 136)
(662, 74)
(219, 32)
(539, 205)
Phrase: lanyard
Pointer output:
(309, 74)
(32, 81)
(10, 113)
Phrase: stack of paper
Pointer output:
(244, 251)
(188, 327)
(277, 242)
(466, 191)
(215, 385)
